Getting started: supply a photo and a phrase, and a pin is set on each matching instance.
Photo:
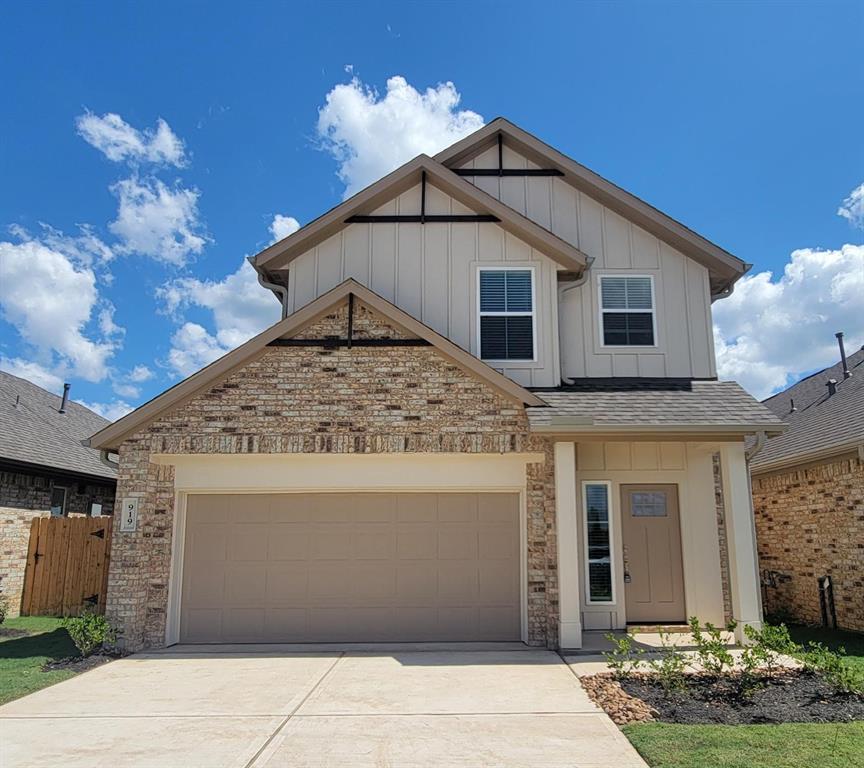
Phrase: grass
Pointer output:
(21, 658)
(833, 639)
(792, 745)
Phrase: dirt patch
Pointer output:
(80, 664)
(6, 632)
(794, 696)
(606, 692)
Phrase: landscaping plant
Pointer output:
(89, 631)
(623, 659)
(671, 665)
(711, 649)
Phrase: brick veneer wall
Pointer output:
(720, 509)
(810, 523)
(23, 497)
(324, 400)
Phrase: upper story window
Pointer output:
(506, 313)
(627, 312)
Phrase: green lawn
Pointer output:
(21, 658)
(794, 745)
(853, 642)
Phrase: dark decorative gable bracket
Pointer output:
(331, 342)
(423, 217)
(502, 171)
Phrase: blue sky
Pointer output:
(744, 121)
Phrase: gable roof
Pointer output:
(723, 267)
(33, 432)
(116, 433)
(821, 425)
(280, 254)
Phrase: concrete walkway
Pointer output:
(255, 708)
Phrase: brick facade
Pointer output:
(325, 400)
(24, 497)
(810, 523)
(720, 509)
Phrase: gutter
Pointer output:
(280, 290)
(103, 457)
(756, 448)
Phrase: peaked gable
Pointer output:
(724, 268)
(289, 332)
(364, 203)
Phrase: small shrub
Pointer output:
(89, 632)
(671, 665)
(4, 608)
(712, 652)
(623, 659)
(817, 658)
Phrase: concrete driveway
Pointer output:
(327, 708)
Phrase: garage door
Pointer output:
(351, 567)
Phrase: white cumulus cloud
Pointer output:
(158, 221)
(240, 309)
(770, 332)
(192, 348)
(370, 135)
(111, 411)
(27, 369)
(50, 300)
(282, 226)
(852, 208)
(119, 141)
(140, 373)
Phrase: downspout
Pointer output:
(754, 450)
(583, 278)
(749, 454)
(103, 457)
(281, 290)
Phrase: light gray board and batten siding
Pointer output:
(430, 271)
(682, 290)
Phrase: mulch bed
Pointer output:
(81, 664)
(794, 696)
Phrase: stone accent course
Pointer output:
(22, 498)
(324, 400)
(810, 523)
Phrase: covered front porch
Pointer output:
(652, 532)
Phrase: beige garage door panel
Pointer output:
(366, 567)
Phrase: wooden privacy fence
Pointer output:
(67, 566)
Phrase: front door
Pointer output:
(653, 570)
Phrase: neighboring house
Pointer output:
(808, 495)
(45, 469)
(490, 413)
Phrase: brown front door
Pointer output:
(653, 570)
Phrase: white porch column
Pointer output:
(741, 532)
(566, 517)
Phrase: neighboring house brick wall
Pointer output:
(810, 523)
(316, 400)
(22, 498)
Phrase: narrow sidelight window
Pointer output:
(506, 314)
(627, 311)
(598, 542)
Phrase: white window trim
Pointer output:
(532, 314)
(610, 512)
(602, 311)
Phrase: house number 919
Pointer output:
(129, 515)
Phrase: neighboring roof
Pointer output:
(34, 432)
(821, 425)
(723, 267)
(116, 433)
(669, 406)
(280, 254)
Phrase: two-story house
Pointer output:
(490, 412)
